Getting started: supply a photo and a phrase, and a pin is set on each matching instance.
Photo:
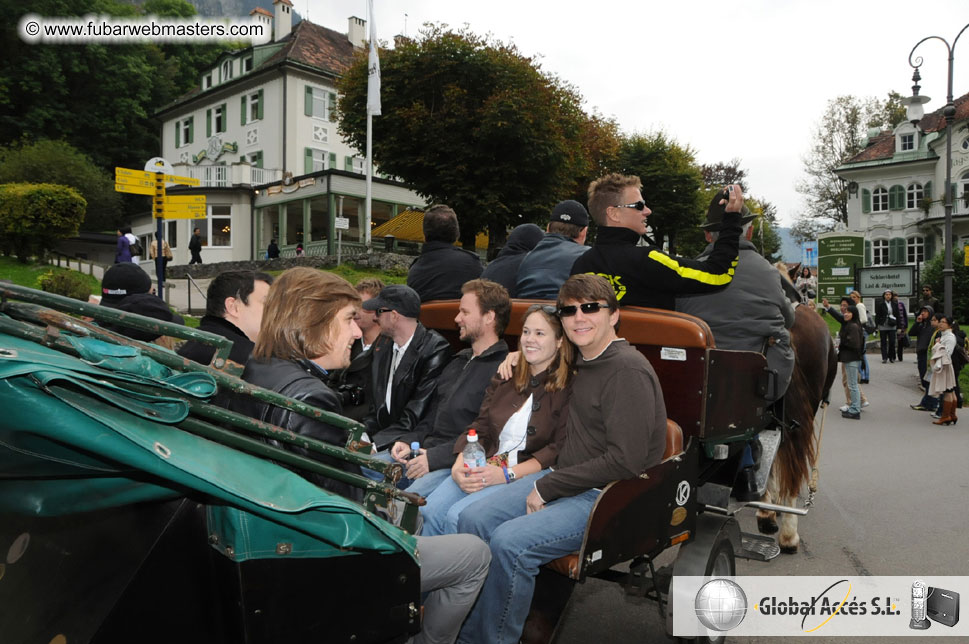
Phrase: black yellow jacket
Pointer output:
(647, 276)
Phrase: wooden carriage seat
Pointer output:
(569, 564)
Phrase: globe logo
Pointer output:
(721, 605)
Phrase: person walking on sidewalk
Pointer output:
(851, 340)
(887, 316)
(195, 246)
(902, 329)
(943, 381)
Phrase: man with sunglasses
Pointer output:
(542, 517)
(406, 362)
(646, 275)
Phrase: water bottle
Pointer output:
(415, 450)
(474, 455)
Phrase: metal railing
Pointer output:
(191, 283)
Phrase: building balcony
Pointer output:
(228, 176)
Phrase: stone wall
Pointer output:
(379, 261)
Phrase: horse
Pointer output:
(815, 368)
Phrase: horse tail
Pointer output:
(796, 453)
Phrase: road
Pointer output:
(891, 501)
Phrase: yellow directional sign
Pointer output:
(132, 181)
(133, 174)
(138, 190)
(184, 214)
(188, 181)
(184, 199)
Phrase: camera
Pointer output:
(350, 395)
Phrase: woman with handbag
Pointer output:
(943, 380)
(901, 341)
(886, 318)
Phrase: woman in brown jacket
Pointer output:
(520, 424)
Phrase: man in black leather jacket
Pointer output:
(405, 366)
(647, 275)
(442, 267)
(308, 329)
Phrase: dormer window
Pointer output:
(207, 81)
(906, 142)
(247, 64)
(226, 71)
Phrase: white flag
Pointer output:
(373, 69)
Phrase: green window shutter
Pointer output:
(191, 130)
(332, 163)
(258, 162)
(929, 246)
(865, 201)
(178, 134)
(867, 253)
(261, 101)
(952, 191)
(307, 160)
(225, 117)
(331, 106)
(208, 123)
(308, 101)
(896, 197)
(897, 250)
(242, 110)
(348, 164)
(928, 191)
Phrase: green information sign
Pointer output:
(838, 256)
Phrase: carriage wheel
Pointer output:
(720, 563)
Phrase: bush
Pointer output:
(34, 217)
(68, 284)
(932, 275)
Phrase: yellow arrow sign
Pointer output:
(185, 214)
(133, 174)
(133, 181)
(188, 181)
(185, 199)
(138, 190)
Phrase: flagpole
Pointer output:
(367, 203)
(373, 107)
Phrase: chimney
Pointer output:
(263, 18)
(357, 35)
(284, 19)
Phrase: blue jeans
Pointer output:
(851, 368)
(863, 369)
(446, 503)
(427, 483)
(520, 543)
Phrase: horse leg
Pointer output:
(788, 539)
(767, 519)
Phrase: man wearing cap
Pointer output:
(548, 265)
(407, 360)
(645, 275)
(127, 287)
(751, 313)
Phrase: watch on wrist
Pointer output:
(511, 475)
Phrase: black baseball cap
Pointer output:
(570, 212)
(396, 297)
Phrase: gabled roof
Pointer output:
(262, 11)
(882, 146)
(308, 45)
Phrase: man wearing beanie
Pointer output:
(127, 287)
(545, 269)
(407, 360)
(646, 275)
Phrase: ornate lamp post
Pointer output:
(914, 112)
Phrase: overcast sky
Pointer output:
(748, 79)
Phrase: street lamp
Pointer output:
(914, 112)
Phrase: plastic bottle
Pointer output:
(415, 450)
(474, 455)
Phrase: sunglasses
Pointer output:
(638, 205)
(587, 307)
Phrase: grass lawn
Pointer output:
(28, 274)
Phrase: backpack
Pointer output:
(136, 249)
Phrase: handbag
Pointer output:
(870, 327)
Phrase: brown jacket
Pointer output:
(546, 426)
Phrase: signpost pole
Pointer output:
(339, 245)
(159, 201)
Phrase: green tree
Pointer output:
(671, 187)
(60, 163)
(35, 216)
(839, 135)
(766, 238)
(473, 123)
(932, 275)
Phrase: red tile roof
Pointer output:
(315, 46)
(883, 145)
(262, 11)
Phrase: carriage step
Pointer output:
(757, 547)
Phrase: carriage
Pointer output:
(131, 508)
